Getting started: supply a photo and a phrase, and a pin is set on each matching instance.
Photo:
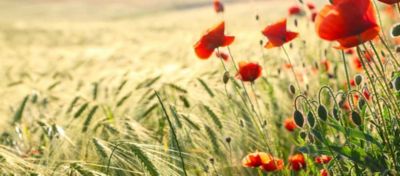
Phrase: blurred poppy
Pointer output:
(325, 65)
(249, 71)
(310, 5)
(323, 172)
(287, 66)
(313, 16)
(289, 124)
(357, 63)
(295, 10)
(349, 51)
(349, 22)
(277, 34)
(211, 40)
(323, 159)
(218, 6)
(255, 159)
(222, 55)
(274, 164)
(365, 93)
(389, 1)
(297, 162)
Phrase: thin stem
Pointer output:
(291, 68)
(347, 75)
(173, 132)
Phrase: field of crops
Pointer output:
(161, 87)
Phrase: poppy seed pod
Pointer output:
(358, 79)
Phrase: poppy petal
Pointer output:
(202, 51)
(352, 41)
(228, 40)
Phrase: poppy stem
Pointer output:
(347, 76)
(291, 68)
(244, 87)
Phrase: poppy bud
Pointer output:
(322, 113)
(311, 119)
(298, 118)
(397, 83)
(356, 118)
(295, 22)
(361, 103)
(257, 17)
(228, 140)
(303, 135)
(225, 79)
(358, 79)
(395, 30)
(335, 113)
(212, 160)
(292, 89)
(383, 54)
(261, 42)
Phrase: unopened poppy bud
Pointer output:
(301, 1)
(228, 140)
(257, 17)
(335, 113)
(295, 22)
(383, 54)
(290, 45)
(358, 79)
(322, 113)
(311, 119)
(361, 103)
(397, 49)
(397, 83)
(298, 118)
(292, 89)
(261, 42)
(303, 135)
(356, 118)
(212, 160)
(225, 79)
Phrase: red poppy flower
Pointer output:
(310, 5)
(323, 159)
(249, 71)
(295, 10)
(274, 164)
(349, 22)
(211, 40)
(278, 35)
(297, 162)
(323, 172)
(222, 55)
(218, 6)
(255, 159)
(289, 124)
(389, 1)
